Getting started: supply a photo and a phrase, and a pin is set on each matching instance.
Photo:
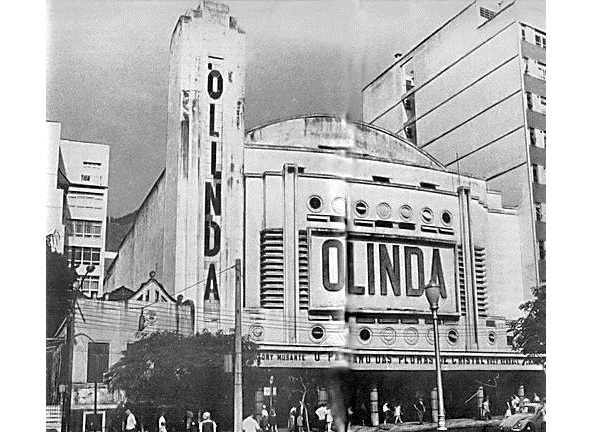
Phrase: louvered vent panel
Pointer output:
(303, 268)
(271, 268)
(480, 281)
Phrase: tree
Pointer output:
(166, 369)
(530, 330)
(59, 280)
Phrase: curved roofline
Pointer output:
(356, 122)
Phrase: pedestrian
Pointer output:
(272, 420)
(189, 423)
(386, 413)
(130, 421)
(250, 424)
(264, 418)
(398, 414)
(420, 407)
(536, 398)
(207, 424)
(292, 418)
(485, 409)
(515, 402)
(508, 412)
(328, 418)
(162, 422)
(349, 417)
(321, 413)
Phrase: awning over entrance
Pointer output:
(394, 361)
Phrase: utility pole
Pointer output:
(66, 405)
(237, 367)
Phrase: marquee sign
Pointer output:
(397, 362)
(378, 273)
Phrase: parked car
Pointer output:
(530, 418)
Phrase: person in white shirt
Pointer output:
(130, 421)
(386, 413)
(321, 413)
(250, 424)
(398, 414)
(207, 425)
(162, 422)
(328, 418)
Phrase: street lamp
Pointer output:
(432, 292)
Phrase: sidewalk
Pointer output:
(466, 425)
(452, 424)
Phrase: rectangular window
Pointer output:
(532, 138)
(543, 140)
(542, 249)
(542, 70)
(85, 228)
(77, 255)
(534, 173)
(90, 286)
(523, 34)
(97, 362)
(90, 164)
(529, 100)
(540, 212)
(85, 177)
(543, 104)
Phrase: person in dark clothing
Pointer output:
(420, 407)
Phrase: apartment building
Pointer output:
(77, 205)
(473, 95)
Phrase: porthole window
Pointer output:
(365, 335)
(446, 217)
(315, 203)
(317, 333)
(430, 336)
(411, 335)
(388, 336)
(339, 205)
(384, 211)
(361, 208)
(452, 337)
(257, 332)
(406, 212)
(492, 337)
(427, 215)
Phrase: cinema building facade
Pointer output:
(339, 226)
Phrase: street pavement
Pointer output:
(467, 425)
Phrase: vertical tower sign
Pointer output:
(212, 189)
(203, 228)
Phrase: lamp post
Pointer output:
(271, 380)
(432, 292)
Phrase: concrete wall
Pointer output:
(142, 248)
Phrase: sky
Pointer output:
(107, 68)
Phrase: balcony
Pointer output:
(533, 51)
(540, 230)
(539, 192)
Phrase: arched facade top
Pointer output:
(327, 133)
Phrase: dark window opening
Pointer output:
(97, 363)
(409, 320)
(317, 332)
(384, 224)
(381, 179)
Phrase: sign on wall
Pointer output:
(212, 188)
(378, 273)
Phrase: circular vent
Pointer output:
(365, 335)
(317, 333)
(361, 208)
(315, 203)
(427, 215)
